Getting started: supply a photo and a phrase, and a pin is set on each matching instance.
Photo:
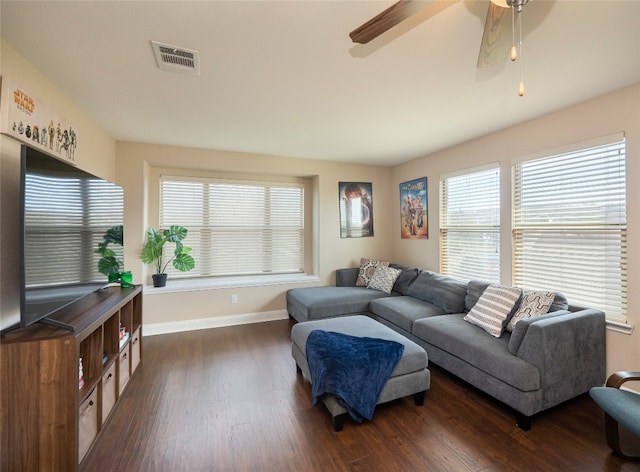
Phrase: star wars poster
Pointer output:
(29, 120)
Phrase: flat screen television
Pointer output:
(65, 213)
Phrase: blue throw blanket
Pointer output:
(354, 369)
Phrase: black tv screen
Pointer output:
(65, 213)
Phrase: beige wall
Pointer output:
(134, 166)
(603, 116)
(95, 154)
(138, 168)
(96, 148)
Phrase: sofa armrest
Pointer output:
(570, 353)
(347, 277)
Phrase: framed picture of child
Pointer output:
(356, 209)
(414, 223)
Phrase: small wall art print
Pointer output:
(414, 222)
(356, 209)
(28, 119)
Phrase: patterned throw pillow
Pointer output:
(533, 304)
(493, 307)
(367, 268)
(384, 278)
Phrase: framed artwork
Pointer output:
(414, 222)
(28, 119)
(356, 209)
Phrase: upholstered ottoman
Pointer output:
(409, 377)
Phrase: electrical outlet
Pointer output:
(234, 298)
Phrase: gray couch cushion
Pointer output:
(478, 348)
(347, 277)
(521, 327)
(403, 311)
(445, 292)
(475, 289)
(559, 303)
(405, 279)
(322, 302)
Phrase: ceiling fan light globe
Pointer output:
(513, 55)
(501, 3)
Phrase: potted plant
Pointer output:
(152, 252)
(109, 264)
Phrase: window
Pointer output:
(570, 226)
(236, 228)
(470, 225)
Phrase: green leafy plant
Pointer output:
(109, 263)
(152, 252)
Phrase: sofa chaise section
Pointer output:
(559, 357)
(314, 303)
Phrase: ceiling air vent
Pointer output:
(176, 58)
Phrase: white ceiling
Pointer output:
(283, 77)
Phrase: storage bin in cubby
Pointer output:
(109, 391)
(123, 369)
(87, 423)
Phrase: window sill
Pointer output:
(619, 327)
(192, 285)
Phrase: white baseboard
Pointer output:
(213, 322)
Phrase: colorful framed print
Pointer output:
(414, 222)
(356, 209)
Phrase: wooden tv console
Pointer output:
(47, 421)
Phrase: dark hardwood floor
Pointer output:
(229, 399)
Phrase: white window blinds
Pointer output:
(470, 225)
(570, 226)
(236, 228)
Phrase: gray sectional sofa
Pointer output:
(545, 361)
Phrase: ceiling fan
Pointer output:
(496, 39)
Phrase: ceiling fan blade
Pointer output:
(496, 39)
(386, 20)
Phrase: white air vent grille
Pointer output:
(176, 58)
